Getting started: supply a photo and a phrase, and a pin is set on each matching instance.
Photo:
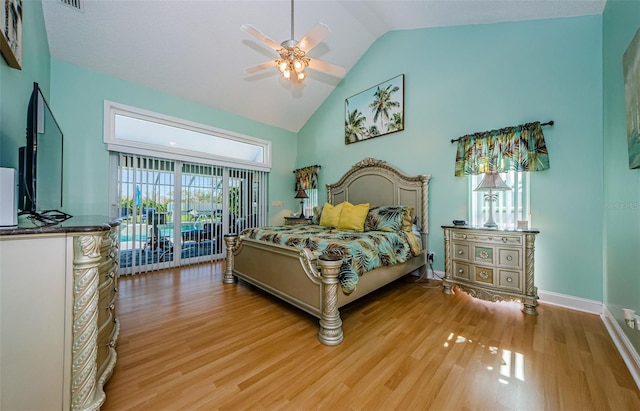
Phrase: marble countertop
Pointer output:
(77, 224)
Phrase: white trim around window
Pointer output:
(197, 142)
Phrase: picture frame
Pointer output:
(11, 32)
(631, 69)
(375, 112)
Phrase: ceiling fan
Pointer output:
(293, 59)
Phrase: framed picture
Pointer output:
(631, 67)
(11, 32)
(375, 112)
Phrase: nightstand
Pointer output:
(297, 220)
(491, 264)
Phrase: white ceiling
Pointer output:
(194, 49)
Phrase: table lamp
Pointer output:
(492, 182)
(301, 194)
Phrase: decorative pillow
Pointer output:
(386, 218)
(330, 216)
(317, 213)
(352, 216)
(407, 219)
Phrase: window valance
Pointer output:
(307, 178)
(519, 148)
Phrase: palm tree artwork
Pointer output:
(375, 112)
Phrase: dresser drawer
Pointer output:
(461, 271)
(508, 257)
(488, 238)
(106, 341)
(483, 254)
(510, 280)
(106, 304)
(483, 275)
(461, 252)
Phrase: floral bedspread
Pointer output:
(360, 251)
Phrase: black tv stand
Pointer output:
(47, 217)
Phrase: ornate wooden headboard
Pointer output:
(377, 183)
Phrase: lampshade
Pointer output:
(301, 194)
(492, 182)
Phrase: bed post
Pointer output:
(230, 241)
(330, 332)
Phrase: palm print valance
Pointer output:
(307, 178)
(519, 148)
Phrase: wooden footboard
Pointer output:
(292, 275)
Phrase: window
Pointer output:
(509, 207)
(135, 131)
(311, 202)
(180, 186)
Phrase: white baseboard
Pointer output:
(622, 343)
(571, 302)
(435, 275)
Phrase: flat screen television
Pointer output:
(40, 163)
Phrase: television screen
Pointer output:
(48, 159)
(41, 159)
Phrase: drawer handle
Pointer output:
(483, 274)
(460, 271)
(460, 252)
(115, 289)
(111, 307)
(111, 344)
(509, 258)
(112, 275)
(504, 239)
(509, 279)
(464, 236)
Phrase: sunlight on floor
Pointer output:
(511, 363)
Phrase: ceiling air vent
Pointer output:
(76, 4)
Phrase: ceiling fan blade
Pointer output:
(259, 67)
(249, 29)
(333, 69)
(314, 37)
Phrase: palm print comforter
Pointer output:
(360, 251)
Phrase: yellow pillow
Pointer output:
(352, 216)
(330, 216)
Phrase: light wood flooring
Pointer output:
(190, 342)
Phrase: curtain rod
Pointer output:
(548, 123)
(307, 167)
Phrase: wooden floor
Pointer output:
(190, 342)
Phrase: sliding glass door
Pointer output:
(176, 213)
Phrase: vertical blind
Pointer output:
(176, 213)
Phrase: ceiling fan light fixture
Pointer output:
(293, 61)
(282, 65)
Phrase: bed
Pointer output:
(310, 281)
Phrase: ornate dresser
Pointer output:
(58, 321)
(491, 264)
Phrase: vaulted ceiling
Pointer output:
(194, 49)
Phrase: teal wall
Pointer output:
(76, 96)
(16, 85)
(458, 80)
(621, 20)
(465, 79)
(78, 105)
